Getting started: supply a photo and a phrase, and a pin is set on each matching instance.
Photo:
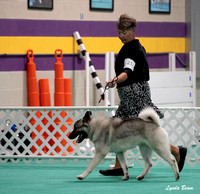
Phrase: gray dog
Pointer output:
(118, 135)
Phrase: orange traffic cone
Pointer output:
(33, 94)
(59, 99)
(45, 99)
(68, 92)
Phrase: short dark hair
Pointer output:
(126, 22)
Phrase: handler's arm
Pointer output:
(120, 78)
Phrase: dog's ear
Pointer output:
(87, 117)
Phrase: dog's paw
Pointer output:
(139, 178)
(177, 176)
(80, 177)
(125, 178)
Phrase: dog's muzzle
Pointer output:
(81, 136)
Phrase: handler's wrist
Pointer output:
(115, 79)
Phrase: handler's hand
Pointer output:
(111, 83)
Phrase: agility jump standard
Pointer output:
(91, 67)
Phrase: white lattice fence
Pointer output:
(33, 133)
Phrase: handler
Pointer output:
(132, 76)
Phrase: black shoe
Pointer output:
(114, 172)
(182, 152)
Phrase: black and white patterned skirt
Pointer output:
(133, 99)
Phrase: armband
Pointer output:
(129, 63)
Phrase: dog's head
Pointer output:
(81, 128)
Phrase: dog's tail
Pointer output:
(149, 114)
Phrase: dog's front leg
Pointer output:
(121, 157)
(95, 161)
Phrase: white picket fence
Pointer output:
(37, 133)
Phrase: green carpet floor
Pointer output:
(60, 178)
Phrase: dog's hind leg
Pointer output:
(160, 144)
(121, 157)
(95, 161)
(164, 152)
(146, 153)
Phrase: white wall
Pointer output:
(71, 10)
